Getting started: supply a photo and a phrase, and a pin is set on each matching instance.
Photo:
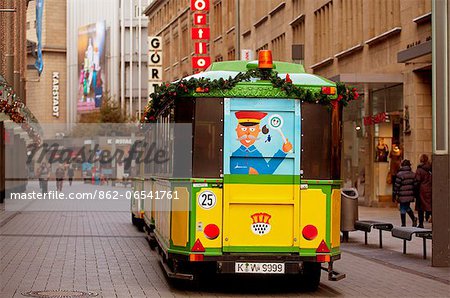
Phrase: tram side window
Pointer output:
(208, 138)
(184, 112)
(316, 142)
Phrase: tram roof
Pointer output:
(296, 72)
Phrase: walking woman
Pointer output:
(423, 177)
(404, 189)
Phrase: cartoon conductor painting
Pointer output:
(247, 159)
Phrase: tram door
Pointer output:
(261, 174)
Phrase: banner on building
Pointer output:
(154, 63)
(247, 55)
(39, 12)
(91, 66)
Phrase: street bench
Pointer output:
(405, 233)
(367, 225)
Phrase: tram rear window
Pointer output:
(208, 138)
(316, 142)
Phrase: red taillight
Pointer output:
(323, 258)
(329, 90)
(195, 258)
(211, 231)
(198, 246)
(309, 232)
(323, 248)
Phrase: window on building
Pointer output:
(218, 58)
(298, 7)
(231, 54)
(185, 42)
(384, 16)
(217, 19)
(323, 32)
(279, 47)
(176, 46)
(245, 23)
(231, 13)
(298, 33)
(167, 58)
(424, 7)
(264, 47)
(351, 20)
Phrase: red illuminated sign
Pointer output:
(200, 5)
(200, 48)
(200, 33)
(199, 19)
(201, 62)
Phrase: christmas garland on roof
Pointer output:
(12, 106)
(164, 94)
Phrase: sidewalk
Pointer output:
(392, 252)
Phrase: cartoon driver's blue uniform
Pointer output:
(245, 158)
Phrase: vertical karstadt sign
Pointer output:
(200, 34)
(154, 63)
(55, 94)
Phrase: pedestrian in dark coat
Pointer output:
(404, 190)
(423, 177)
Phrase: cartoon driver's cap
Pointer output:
(249, 118)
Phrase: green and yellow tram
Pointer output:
(263, 191)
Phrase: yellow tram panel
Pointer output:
(336, 218)
(180, 217)
(313, 210)
(209, 216)
(258, 215)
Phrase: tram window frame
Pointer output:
(316, 136)
(208, 113)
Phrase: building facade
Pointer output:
(125, 47)
(47, 91)
(13, 43)
(381, 47)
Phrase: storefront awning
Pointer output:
(372, 80)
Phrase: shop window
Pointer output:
(208, 138)
(316, 142)
(388, 99)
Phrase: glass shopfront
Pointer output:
(373, 143)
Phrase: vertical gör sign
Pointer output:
(154, 63)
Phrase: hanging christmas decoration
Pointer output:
(165, 94)
(13, 107)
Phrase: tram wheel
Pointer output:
(310, 278)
